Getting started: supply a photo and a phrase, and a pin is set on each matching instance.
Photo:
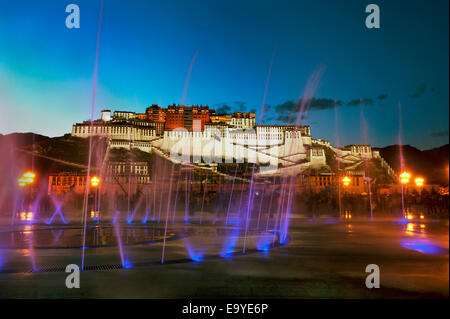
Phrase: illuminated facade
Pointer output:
(243, 120)
(202, 136)
(331, 182)
(180, 116)
(119, 177)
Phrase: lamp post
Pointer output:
(95, 183)
(419, 181)
(24, 181)
(404, 180)
(346, 182)
(339, 194)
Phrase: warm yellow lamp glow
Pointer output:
(346, 181)
(29, 175)
(26, 179)
(95, 181)
(404, 177)
(419, 181)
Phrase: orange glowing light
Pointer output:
(347, 215)
(27, 229)
(95, 181)
(29, 175)
(26, 179)
(410, 227)
(410, 217)
(346, 180)
(419, 181)
(26, 216)
(422, 217)
(404, 177)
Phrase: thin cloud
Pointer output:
(314, 104)
(439, 134)
(241, 105)
(420, 90)
(358, 102)
(225, 107)
(222, 108)
(289, 119)
(382, 96)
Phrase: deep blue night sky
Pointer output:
(146, 47)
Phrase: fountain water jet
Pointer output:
(167, 215)
(91, 130)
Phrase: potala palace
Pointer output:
(196, 134)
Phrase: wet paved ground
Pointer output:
(325, 258)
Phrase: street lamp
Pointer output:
(346, 181)
(419, 181)
(26, 179)
(404, 179)
(95, 182)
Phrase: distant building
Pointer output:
(136, 130)
(317, 156)
(363, 150)
(321, 142)
(156, 113)
(119, 177)
(106, 115)
(180, 116)
(221, 119)
(142, 116)
(243, 120)
(317, 183)
(125, 115)
(62, 183)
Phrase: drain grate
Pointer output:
(51, 269)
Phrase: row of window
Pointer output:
(316, 152)
(139, 170)
(361, 149)
(78, 129)
(68, 180)
(330, 180)
(81, 181)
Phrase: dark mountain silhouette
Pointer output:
(431, 164)
(20, 139)
(58, 154)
